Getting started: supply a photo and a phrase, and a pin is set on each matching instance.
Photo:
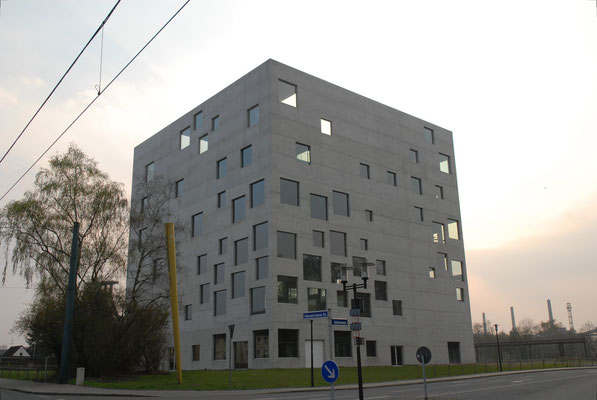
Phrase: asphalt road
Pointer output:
(548, 385)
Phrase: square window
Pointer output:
(204, 295)
(260, 236)
(443, 260)
(149, 169)
(241, 251)
(318, 239)
(221, 199)
(288, 343)
(179, 188)
(238, 284)
(196, 352)
(261, 268)
(253, 116)
(246, 156)
(257, 193)
(239, 207)
(397, 355)
(414, 156)
(439, 192)
(429, 136)
(397, 307)
(223, 246)
(415, 185)
(432, 272)
(287, 289)
(341, 206)
(342, 298)
(338, 243)
(287, 93)
(380, 267)
(198, 120)
(311, 268)
(185, 138)
(316, 299)
(364, 244)
(381, 290)
(336, 272)
(364, 301)
(326, 127)
(287, 245)
(357, 265)
(364, 170)
(303, 153)
(203, 143)
(342, 344)
(221, 170)
(144, 204)
(202, 264)
(220, 303)
(419, 212)
(391, 178)
(197, 224)
(218, 273)
(215, 123)
(457, 269)
(453, 230)
(261, 343)
(369, 215)
(319, 207)
(460, 294)
(371, 348)
(444, 163)
(220, 346)
(258, 300)
(289, 192)
(439, 233)
(188, 312)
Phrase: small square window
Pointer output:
(340, 203)
(144, 204)
(201, 264)
(429, 136)
(196, 352)
(220, 346)
(311, 268)
(222, 199)
(257, 193)
(316, 299)
(439, 192)
(221, 170)
(338, 243)
(179, 190)
(253, 116)
(444, 163)
(260, 236)
(149, 169)
(419, 212)
(215, 123)
(460, 294)
(369, 215)
(258, 301)
(197, 224)
(241, 251)
(381, 290)
(188, 312)
(342, 298)
(371, 348)
(223, 246)
(319, 207)
(198, 120)
(326, 127)
(261, 268)
(204, 293)
(303, 153)
(453, 230)
(287, 93)
(414, 156)
(457, 269)
(397, 307)
(261, 341)
(443, 260)
(432, 272)
(246, 156)
(318, 239)
(415, 184)
(289, 192)
(218, 273)
(364, 170)
(286, 245)
(380, 267)
(364, 244)
(391, 178)
(185, 138)
(203, 143)
(239, 207)
(287, 289)
(238, 284)
(439, 233)
(220, 303)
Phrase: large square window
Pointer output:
(380, 267)
(429, 135)
(342, 345)
(203, 143)
(289, 192)
(371, 348)
(188, 312)
(218, 273)
(220, 346)
(241, 251)
(444, 163)
(326, 127)
(202, 264)
(287, 289)
(415, 185)
(439, 233)
(215, 123)
(364, 170)
(204, 293)
(239, 207)
(260, 236)
(258, 300)
(287, 93)
(391, 178)
(257, 193)
(364, 244)
(358, 263)
(453, 231)
(253, 116)
(287, 245)
(457, 269)
(197, 224)
(311, 268)
(179, 188)
(288, 343)
(365, 304)
(261, 343)
(246, 156)
(220, 303)
(414, 156)
(381, 290)
(303, 153)
(336, 272)
(238, 284)
(319, 207)
(397, 307)
(198, 120)
(222, 169)
(185, 138)
(316, 299)
(261, 268)
(342, 298)
(318, 239)
(338, 243)
(149, 170)
(341, 206)
(439, 192)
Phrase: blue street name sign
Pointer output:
(330, 371)
(338, 321)
(315, 314)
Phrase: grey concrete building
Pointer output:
(283, 178)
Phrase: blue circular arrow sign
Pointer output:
(330, 371)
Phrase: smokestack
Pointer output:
(513, 319)
(549, 312)
(570, 322)
(484, 325)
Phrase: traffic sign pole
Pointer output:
(424, 381)
(330, 345)
(311, 321)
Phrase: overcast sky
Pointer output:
(514, 80)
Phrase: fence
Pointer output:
(28, 372)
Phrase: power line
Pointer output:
(93, 101)
(60, 81)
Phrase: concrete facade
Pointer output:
(400, 226)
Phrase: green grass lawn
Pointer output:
(301, 377)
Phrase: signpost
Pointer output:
(311, 316)
(330, 373)
(424, 356)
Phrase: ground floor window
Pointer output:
(288, 342)
(220, 346)
(396, 355)
(371, 348)
(196, 352)
(454, 352)
(261, 343)
(342, 344)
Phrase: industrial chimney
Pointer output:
(513, 319)
(484, 325)
(570, 322)
(549, 312)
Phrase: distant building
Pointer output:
(283, 179)
(16, 351)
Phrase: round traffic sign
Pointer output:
(330, 371)
(423, 355)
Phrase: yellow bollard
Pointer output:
(169, 227)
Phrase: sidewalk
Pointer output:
(40, 388)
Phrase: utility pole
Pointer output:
(499, 353)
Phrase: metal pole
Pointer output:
(497, 338)
(359, 372)
(311, 321)
(330, 347)
(169, 228)
(424, 380)
(67, 335)
(231, 331)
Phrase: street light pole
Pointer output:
(499, 353)
(359, 369)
